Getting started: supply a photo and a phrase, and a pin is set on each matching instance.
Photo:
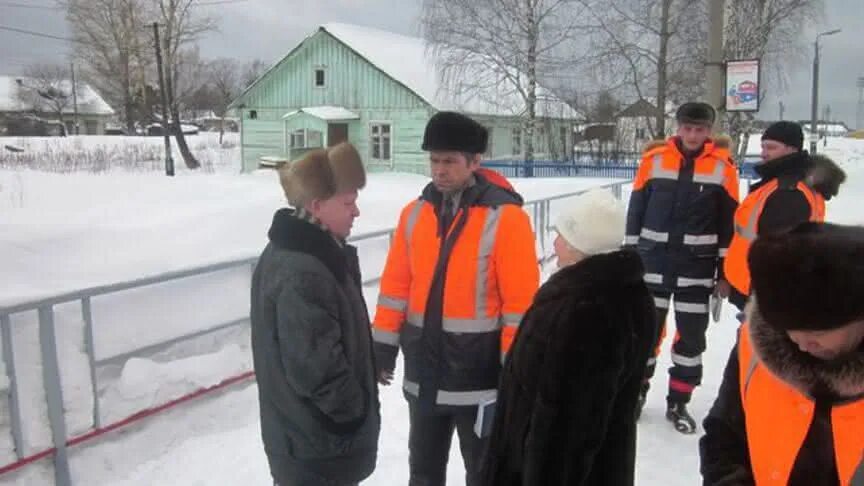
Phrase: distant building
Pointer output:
(20, 106)
(377, 90)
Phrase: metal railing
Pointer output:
(539, 210)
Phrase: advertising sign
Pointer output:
(742, 85)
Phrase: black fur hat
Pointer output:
(810, 278)
(696, 113)
(448, 130)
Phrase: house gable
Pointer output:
(349, 80)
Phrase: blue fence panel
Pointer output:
(562, 169)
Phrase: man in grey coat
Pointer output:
(311, 338)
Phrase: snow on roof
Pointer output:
(89, 101)
(410, 61)
(326, 113)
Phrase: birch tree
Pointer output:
(769, 30)
(648, 50)
(494, 50)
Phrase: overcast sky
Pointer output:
(268, 29)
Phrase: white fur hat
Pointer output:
(593, 223)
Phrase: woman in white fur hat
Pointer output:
(567, 400)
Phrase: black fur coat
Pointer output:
(566, 407)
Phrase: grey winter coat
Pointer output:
(313, 358)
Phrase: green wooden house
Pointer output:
(377, 90)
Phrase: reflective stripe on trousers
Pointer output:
(444, 397)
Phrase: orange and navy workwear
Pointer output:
(452, 297)
(680, 222)
(767, 427)
(780, 200)
(680, 214)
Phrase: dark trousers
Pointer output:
(691, 316)
(429, 445)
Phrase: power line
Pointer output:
(218, 2)
(25, 5)
(40, 34)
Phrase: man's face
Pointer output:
(337, 213)
(828, 345)
(693, 136)
(451, 170)
(772, 149)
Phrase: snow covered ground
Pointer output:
(61, 232)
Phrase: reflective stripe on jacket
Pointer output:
(453, 306)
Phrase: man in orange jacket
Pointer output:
(680, 221)
(793, 188)
(461, 271)
(790, 409)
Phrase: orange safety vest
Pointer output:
(778, 417)
(747, 217)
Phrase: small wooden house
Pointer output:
(377, 90)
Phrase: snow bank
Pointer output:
(146, 383)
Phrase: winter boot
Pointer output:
(640, 401)
(679, 416)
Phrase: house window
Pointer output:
(298, 139)
(320, 78)
(540, 140)
(253, 115)
(380, 141)
(640, 134)
(305, 138)
(91, 127)
(517, 141)
(565, 150)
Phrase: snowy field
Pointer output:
(65, 231)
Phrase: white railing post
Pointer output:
(54, 395)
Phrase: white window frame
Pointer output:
(315, 77)
(390, 139)
(311, 138)
(563, 138)
(516, 141)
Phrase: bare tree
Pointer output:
(495, 50)
(181, 28)
(47, 88)
(770, 31)
(648, 50)
(251, 71)
(110, 45)
(225, 79)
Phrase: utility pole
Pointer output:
(74, 99)
(169, 162)
(782, 110)
(814, 106)
(859, 116)
(716, 95)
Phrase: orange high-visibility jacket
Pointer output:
(747, 229)
(778, 416)
(453, 306)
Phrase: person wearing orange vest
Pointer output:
(793, 188)
(680, 221)
(790, 409)
(461, 272)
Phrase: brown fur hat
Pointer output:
(321, 174)
(810, 278)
